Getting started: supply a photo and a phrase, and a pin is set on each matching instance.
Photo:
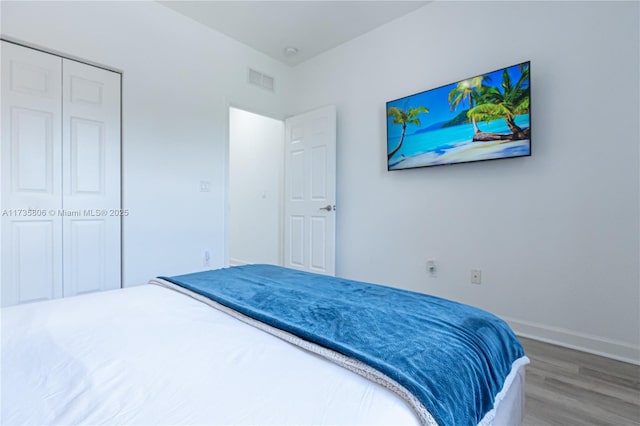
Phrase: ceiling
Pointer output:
(312, 27)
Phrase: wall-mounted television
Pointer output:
(485, 117)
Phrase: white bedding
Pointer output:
(149, 355)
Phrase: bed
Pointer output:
(177, 352)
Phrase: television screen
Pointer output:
(480, 118)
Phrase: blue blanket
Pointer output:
(452, 357)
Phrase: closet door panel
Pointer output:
(30, 170)
(34, 260)
(89, 267)
(91, 179)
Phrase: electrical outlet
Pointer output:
(476, 276)
(206, 258)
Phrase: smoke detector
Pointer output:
(290, 51)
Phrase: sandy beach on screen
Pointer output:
(463, 152)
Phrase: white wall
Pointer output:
(178, 79)
(256, 169)
(556, 235)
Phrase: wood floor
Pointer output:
(567, 387)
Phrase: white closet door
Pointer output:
(91, 178)
(31, 176)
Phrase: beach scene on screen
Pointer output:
(481, 118)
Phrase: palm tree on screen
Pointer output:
(404, 117)
(467, 90)
(511, 101)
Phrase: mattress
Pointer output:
(151, 355)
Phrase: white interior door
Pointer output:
(31, 175)
(91, 178)
(310, 191)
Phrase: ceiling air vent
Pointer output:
(261, 80)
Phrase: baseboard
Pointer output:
(569, 339)
(237, 262)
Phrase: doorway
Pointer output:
(256, 181)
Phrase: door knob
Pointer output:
(328, 207)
